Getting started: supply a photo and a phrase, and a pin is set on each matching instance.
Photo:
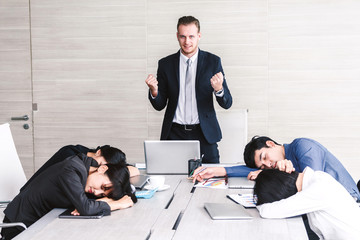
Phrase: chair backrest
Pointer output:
(233, 125)
(12, 176)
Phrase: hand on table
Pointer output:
(75, 213)
(202, 173)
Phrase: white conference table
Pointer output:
(196, 223)
(176, 213)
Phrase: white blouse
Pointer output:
(332, 212)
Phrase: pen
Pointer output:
(196, 181)
(199, 172)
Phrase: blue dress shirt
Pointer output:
(303, 152)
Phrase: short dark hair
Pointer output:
(273, 185)
(120, 178)
(186, 20)
(256, 143)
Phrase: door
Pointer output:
(15, 78)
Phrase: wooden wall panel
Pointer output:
(314, 87)
(89, 61)
(15, 76)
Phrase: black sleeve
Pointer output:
(159, 103)
(72, 182)
(226, 100)
(59, 156)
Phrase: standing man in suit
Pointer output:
(186, 82)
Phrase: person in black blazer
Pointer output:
(194, 117)
(101, 155)
(68, 184)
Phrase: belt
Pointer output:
(186, 127)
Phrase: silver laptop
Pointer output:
(240, 183)
(226, 211)
(170, 156)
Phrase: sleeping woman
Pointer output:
(332, 212)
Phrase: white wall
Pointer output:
(295, 65)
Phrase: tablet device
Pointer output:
(139, 181)
(225, 211)
(67, 214)
(240, 183)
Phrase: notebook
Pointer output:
(240, 183)
(67, 214)
(226, 211)
(139, 181)
(170, 156)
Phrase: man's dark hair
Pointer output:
(273, 185)
(120, 178)
(186, 20)
(256, 143)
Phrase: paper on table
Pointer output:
(247, 200)
(213, 183)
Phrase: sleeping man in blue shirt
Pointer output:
(263, 153)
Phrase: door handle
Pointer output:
(23, 118)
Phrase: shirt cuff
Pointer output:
(219, 93)
(151, 95)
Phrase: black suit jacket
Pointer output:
(168, 93)
(59, 156)
(61, 185)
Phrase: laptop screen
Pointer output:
(170, 156)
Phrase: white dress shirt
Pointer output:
(179, 116)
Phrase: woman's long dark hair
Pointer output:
(273, 185)
(120, 178)
(112, 155)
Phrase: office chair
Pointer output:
(233, 124)
(12, 176)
